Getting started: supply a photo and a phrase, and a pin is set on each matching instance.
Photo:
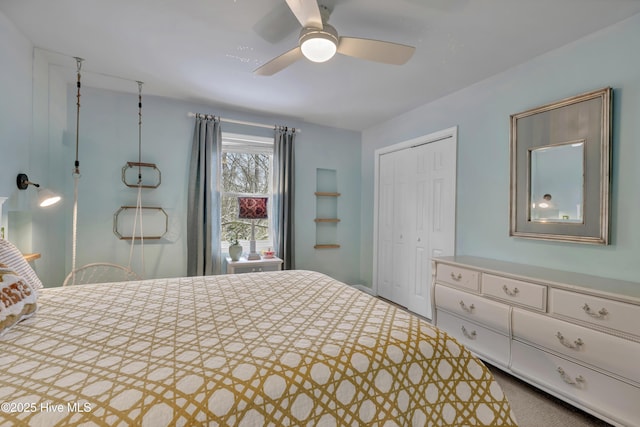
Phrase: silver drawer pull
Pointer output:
(456, 277)
(468, 309)
(471, 335)
(576, 345)
(511, 293)
(577, 382)
(601, 314)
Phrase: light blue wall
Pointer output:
(109, 129)
(24, 147)
(607, 58)
(45, 149)
(338, 150)
(108, 139)
(15, 115)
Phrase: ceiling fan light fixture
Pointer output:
(319, 45)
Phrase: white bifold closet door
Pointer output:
(415, 219)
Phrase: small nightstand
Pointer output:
(254, 266)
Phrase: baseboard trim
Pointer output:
(365, 289)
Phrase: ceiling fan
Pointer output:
(319, 41)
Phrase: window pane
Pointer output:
(245, 173)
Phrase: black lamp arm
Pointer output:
(23, 182)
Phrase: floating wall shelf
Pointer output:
(155, 221)
(326, 209)
(148, 173)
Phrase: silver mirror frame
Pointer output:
(595, 227)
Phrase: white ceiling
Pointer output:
(205, 50)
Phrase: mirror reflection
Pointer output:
(557, 183)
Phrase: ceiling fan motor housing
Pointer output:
(319, 45)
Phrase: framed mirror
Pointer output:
(560, 160)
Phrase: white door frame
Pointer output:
(451, 132)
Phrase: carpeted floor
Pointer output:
(535, 408)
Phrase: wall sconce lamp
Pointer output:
(45, 197)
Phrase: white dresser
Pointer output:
(573, 335)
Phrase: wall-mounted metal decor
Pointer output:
(560, 160)
(155, 223)
(145, 175)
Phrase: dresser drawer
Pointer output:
(458, 276)
(584, 344)
(597, 311)
(515, 291)
(607, 396)
(482, 341)
(481, 310)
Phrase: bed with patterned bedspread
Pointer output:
(279, 348)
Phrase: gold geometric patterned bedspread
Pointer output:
(280, 348)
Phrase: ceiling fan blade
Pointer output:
(375, 50)
(277, 24)
(307, 12)
(279, 63)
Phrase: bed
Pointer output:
(274, 348)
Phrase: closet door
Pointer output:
(403, 226)
(434, 206)
(415, 217)
(384, 264)
(395, 225)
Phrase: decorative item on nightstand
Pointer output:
(235, 249)
(268, 254)
(252, 208)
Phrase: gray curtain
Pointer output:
(283, 191)
(203, 210)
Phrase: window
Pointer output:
(247, 164)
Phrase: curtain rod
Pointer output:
(242, 122)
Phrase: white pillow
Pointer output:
(13, 259)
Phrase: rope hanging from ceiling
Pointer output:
(76, 172)
(138, 211)
(94, 272)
